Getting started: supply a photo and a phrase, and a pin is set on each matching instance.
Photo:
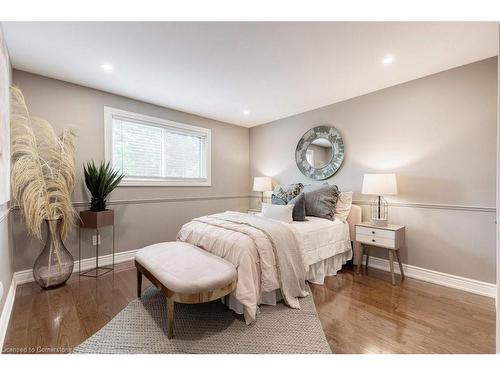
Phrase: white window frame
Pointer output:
(110, 113)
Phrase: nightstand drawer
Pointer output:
(376, 241)
(375, 232)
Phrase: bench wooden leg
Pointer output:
(139, 283)
(170, 318)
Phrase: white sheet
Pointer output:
(320, 239)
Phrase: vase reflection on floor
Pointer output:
(55, 264)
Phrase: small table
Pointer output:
(391, 237)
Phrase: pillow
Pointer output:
(279, 195)
(311, 187)
(294, 190)
(343, 206)
(299, 207)
(282, 196)
(278, 212)
(320, 202)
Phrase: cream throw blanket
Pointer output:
(265, 234)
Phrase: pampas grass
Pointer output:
(43, 168)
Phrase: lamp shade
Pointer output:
(262, 184)
(379, 184)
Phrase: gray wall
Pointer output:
(438, 134)
(5, 248)
(138, 223)
(498, 205)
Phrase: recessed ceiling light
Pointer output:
(388, 59)
(246, 112)
(107, 67)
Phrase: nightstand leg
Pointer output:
(400, 265)
(391, 264)
(367, 249)
(360, 258)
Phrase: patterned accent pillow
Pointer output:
(293, 190)
(279, 195)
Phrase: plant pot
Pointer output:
(96, 219)
(54, 265)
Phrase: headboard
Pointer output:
(353, 219)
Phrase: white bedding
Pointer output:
(323, 244)
(320, 239)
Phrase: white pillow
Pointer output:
(343, 207)
(278, 212)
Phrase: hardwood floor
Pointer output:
(364, 313)
(360, 314)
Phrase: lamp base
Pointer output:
(379, 222)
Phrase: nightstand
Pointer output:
(391, 237)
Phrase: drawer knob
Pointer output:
(373, 232)
(373, 240)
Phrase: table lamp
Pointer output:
(379, 184)
(262, 184)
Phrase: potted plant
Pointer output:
(100, 181)
(42, 179)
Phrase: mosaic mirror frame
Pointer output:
(333, 136)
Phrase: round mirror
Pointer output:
(320, 152)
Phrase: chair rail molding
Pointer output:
(434, 206)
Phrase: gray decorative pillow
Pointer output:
(321, 202)
(299, 207)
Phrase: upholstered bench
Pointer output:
(185, 274)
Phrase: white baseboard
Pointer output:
(26, 276)
(435, 277)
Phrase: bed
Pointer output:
(274, 259)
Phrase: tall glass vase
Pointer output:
(55, 264)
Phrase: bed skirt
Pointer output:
(316, 275)
(328, 267)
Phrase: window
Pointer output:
(156, 152)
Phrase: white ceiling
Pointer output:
(219, 70)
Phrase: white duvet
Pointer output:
(253, 255)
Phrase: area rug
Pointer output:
(208, 328)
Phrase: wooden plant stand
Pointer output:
(96, 220)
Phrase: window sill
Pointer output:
(146, 183)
